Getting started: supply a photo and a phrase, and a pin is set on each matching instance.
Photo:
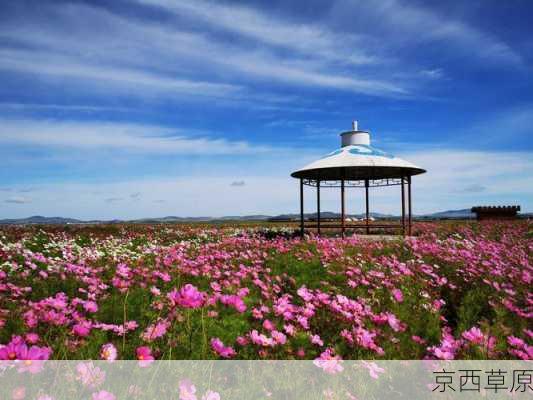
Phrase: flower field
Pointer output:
(454, 291)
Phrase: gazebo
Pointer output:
(359, 165)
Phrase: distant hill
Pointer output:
(40, 220)
(451, 214)
(37, 219)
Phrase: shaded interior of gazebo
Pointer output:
(357, 165)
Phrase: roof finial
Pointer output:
(354, 125)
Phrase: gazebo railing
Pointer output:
(354, 183)
(405, 221)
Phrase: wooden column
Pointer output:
(403, 205)
(318, 206)
(302, 207)
(366, 204)
(343, 216)
(410, 203)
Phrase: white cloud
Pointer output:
(272, 30)
(404, 22)
(43, 63)
(436, 73)
(17, 200)
(505, 177)
(168, 59)
(238, 183)
(118, 136)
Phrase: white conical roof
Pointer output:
(356, 160)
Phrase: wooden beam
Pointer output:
(343, 214)
(318, 206)
(410, 204)
(403, 205)
(367, 211)
(302, 208)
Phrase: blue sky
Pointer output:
(130, 109)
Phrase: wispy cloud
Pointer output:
(474, 188)
(44, 63)
(404, 22)
(18, 200)
(271, 29)
(238, 183)
(318, 58)
(118, 136)
(113, 199)
(435, 73)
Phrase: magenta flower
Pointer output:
(328, 362)
(90, 306)
(315, 339)
(33, 357)
(31, 338)
(89, 375)
(108, 352)
(144, 355)
(221, 350)
(398, 295)
(188, 296)
(103, 395)
(210, 395)
(373, 369)
(82, 329)
(10, 351)
(260, 339)
(474, 335)
(156, 331)
(19, 393)
(187, 390)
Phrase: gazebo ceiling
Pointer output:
(357, 160)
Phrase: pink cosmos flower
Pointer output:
(10, 351)
(328, 362)
(221, 350)
(242, 341)
(210, 395)
(398, 295)
(82, 329)
(260, 339)
(289, 329)
(474, 335)
(89, 375)
(268, 325)
(187, 390)
(234, 301)
(33, 357)
(90, 306)
(395, 323)
(45, 397)
(188, 296)
(156, 331)
(514, 341)
(31, 338)
(418, 339)
(373, 369)
(279, 337)
(144, 355)
(103, 395)
(315, 339)
(108, 352)
(19, 393)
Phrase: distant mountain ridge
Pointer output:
(38, 219)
